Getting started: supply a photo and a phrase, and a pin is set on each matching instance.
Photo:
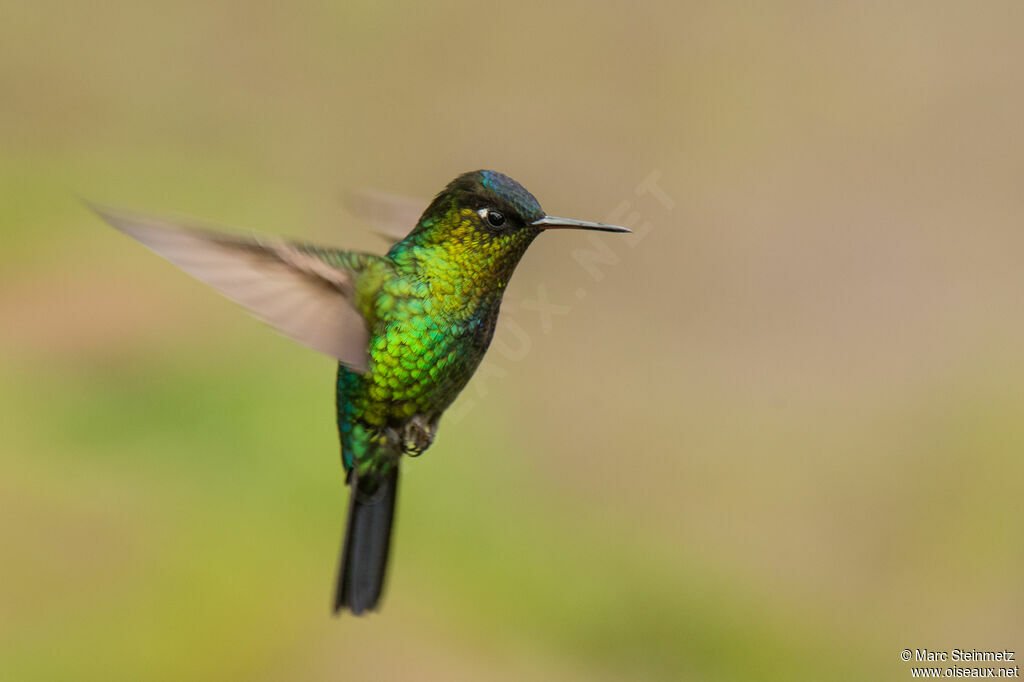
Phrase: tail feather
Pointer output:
(364, 554)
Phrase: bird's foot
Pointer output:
(418, 435)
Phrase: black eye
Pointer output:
(495, 218)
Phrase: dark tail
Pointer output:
(364, 555)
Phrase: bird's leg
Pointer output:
(418, 434)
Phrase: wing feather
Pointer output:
(281, 283)
(389, 215)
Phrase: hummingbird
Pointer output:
(408, 329)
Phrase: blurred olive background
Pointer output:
(774, 435)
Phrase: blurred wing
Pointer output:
(389, 215)
(281, 283)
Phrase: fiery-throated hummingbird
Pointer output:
(408, 329)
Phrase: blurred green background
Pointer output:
(776, 435)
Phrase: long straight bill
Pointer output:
(550, 222)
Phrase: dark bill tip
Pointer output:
(550, 222)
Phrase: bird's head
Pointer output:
(488, 217)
